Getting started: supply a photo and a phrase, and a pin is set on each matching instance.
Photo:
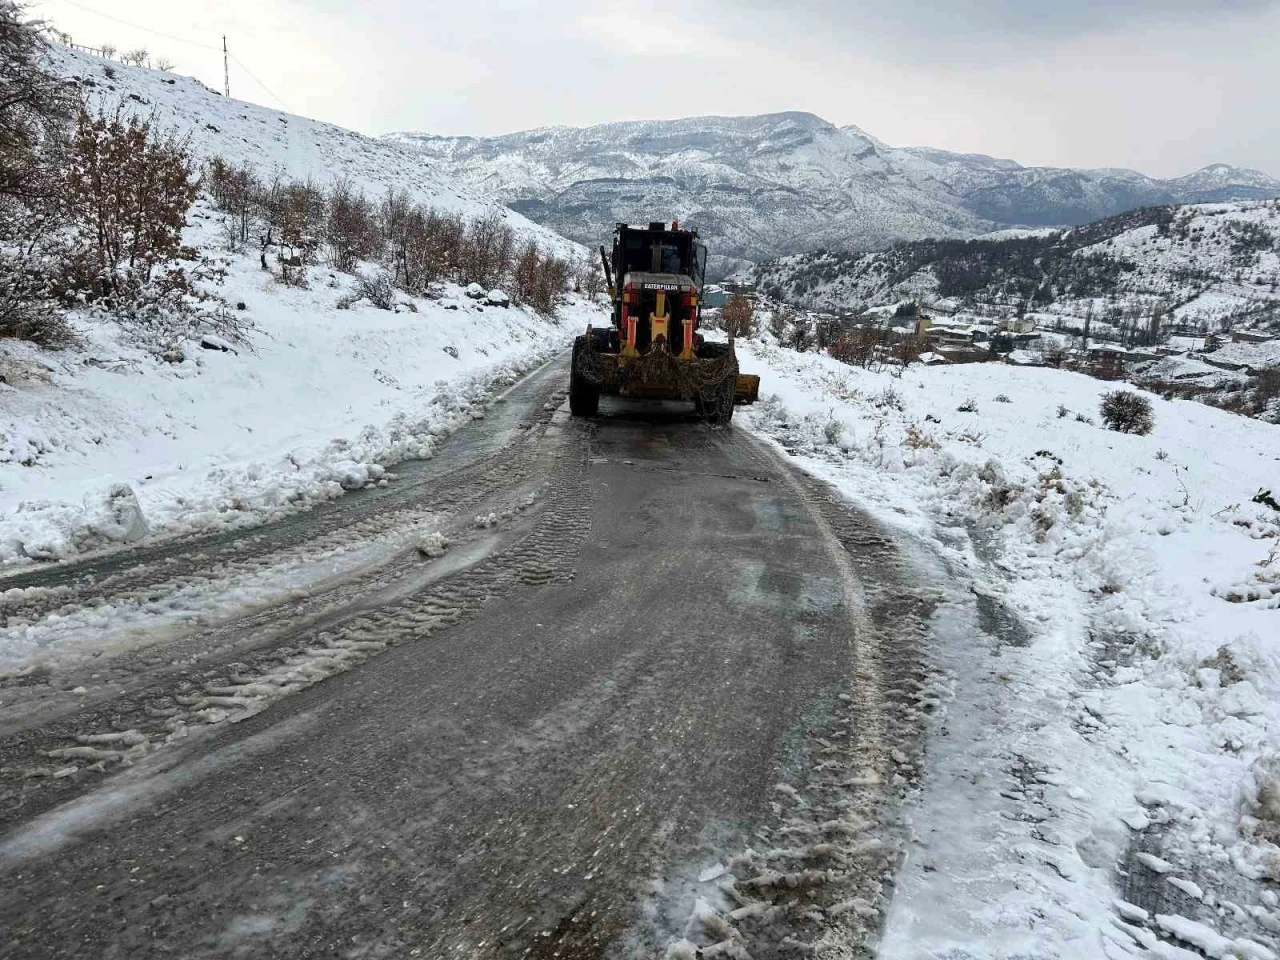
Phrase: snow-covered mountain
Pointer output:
(788, 182)
(1211, 264)
(275, 142)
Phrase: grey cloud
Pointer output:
(981, 21)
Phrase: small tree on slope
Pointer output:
(1127, 412)
(128, 189)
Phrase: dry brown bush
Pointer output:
(738, 316)
(127, 187)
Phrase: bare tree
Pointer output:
(350, 231)
(738, 316)
(138, 57)
(779, 320)
(164, 63)
(36, 109)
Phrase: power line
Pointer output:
(194, 43)
(259, 82)
(138, 26)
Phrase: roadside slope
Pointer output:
(1100, 783)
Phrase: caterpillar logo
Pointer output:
(659, 286)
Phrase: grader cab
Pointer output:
(653, 349)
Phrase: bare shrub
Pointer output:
(1267, 385)
(738, 316)
(888, 398)
(553, 280)
(127, 187)
(1127, 412)
(36, 110)
(350, 231)
(416, 259)
(237, 192)
(917, 439)
(487, 251)
(908, 351)
(969, 406)
(378, 288)
(801, 337)
(861, 347)
(291, 274)
(1003, 398)
(833, 430)
(591, 277)
(779, 320)
(524, 278)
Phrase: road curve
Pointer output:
(672, 649)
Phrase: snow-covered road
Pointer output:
(978, 683)
(660, 691)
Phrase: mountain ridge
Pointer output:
(766, 185)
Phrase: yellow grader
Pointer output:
(653, 349)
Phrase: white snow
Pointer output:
(1137, 703)
(104, 444)
(121, 443)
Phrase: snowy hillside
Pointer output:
(126, 434)
(272, 141)
(788, 182)
(1102, 775)
(1205, 264)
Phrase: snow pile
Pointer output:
(1114, 732)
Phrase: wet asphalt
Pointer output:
(634, 666)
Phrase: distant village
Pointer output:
(1167, 357)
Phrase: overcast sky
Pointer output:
(1162, 86)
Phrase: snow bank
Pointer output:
(118, 443)
(1139, 711)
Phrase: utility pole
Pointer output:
(226, 74)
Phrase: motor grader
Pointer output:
(653, 349)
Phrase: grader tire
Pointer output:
(584, 396)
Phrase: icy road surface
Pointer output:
(661, 690)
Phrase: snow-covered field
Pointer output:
(1105, 781)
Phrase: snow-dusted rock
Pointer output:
(121, 519)
(349, 474)
(432, 544)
